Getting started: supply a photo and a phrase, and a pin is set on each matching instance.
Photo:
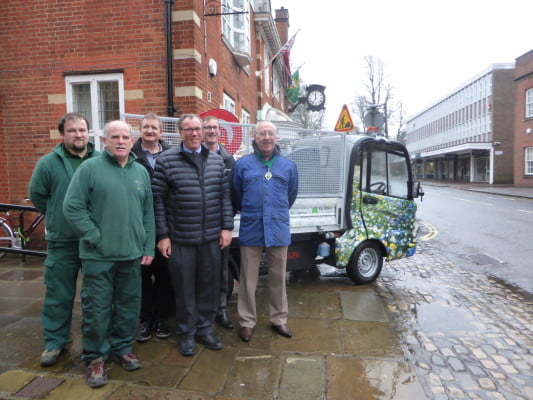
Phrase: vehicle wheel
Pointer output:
(5, 238)
(366, 263)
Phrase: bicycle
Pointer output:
(14, 240)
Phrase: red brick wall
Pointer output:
(42, 40)
(524, 81)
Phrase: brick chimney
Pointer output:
(282, 24)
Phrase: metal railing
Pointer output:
(318, 154)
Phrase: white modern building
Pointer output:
(467, 135)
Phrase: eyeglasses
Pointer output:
(191, 130)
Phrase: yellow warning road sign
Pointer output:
(345, 122)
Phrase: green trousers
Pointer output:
(111, 302)
(62, 265)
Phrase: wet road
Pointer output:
(426, 329)
(482, 232)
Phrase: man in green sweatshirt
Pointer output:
(109, 204)
(48, 185)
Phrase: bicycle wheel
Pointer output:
(6, 234)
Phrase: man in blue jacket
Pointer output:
(264, 187)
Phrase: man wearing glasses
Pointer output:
(194, 219)
(212, 133)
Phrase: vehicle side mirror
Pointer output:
(417, 190)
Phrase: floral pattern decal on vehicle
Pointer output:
(390, 221)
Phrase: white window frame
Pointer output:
(245, 117)
(229, 104)
(93, 80)
(529, 103)
(236, 25)
(528, 161)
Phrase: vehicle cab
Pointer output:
(355, 204)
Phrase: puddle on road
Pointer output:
(330, 271)
(438, 318)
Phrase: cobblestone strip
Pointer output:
(468, 335)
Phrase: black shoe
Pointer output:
(224, 320)
(245, 333)
(145, 332)
(187, 346)
(161, 330)
(282, 330)
(210, 341)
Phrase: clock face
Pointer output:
(315, 98)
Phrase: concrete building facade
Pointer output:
(523, 152)
(468, 135)
(107, 58)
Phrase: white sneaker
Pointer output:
(49, 357)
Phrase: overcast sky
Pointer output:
(428, 47)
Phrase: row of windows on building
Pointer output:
(480, 89)
(480, 111)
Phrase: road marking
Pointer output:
(432, 231)
(502, 197)
(473, 201)
(526, 211)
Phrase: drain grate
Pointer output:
(483, 259)
(39, 387)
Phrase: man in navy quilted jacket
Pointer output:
(194, 219)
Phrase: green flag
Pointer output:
(293, 91)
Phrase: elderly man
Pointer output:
(109, 204)
(156, 288)
(48, 185)
(212, 133)
(264, 187)
(194, 219)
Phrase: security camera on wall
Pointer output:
(212, 67)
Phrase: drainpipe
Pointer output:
(170, 80)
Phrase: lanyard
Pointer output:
(268, 164)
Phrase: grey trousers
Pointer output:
(249, 275)
(195, 275)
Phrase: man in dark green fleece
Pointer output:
(48, 185)
(109, 204)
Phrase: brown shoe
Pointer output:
(245, 333)
(283, 330)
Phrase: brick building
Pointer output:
(468, 135)
(105, 58)
(523, 124)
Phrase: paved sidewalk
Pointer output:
(504, 190)
(344, 347)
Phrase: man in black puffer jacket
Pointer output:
(194, 219)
